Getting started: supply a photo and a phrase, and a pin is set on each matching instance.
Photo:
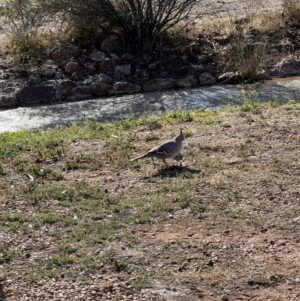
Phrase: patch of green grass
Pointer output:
(254, 221)
(228, 108)
(185, 116)
(37, 171)
(234, 213)
(151, 137)
(57, 260)
(210, 121)
(6, 253)
(198, 208)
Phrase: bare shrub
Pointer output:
(22, 22)
(139, 22)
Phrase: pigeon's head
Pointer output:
(180, 136)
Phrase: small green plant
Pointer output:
(198, 208)
(6, 254)
(151, 137)
(249, 56)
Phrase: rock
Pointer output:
(2, 84)
(188, 81)
(86, 53)
(139, 61)
(98, 56)
(122, 70)
(37, 94)
(83, 90)
(109, 64)
(159, 84)
(127, 57)
(207, 79)
(72, 67)
(48, 71)
(8, 101)
(80, 93)
(90, 68)
(289, 66)
(67, 87)
(59, 75)
(142, 73)
(112, 43)
(63, 51)
(164, 74)
(230, 78)
(114, 56)
(103, 78)
(154, 65)
(75, 76)
(147, 57)
(125, 87)
(195, 47)
(180, 71)
(99, 88)
(34, 80)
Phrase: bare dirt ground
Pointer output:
(221, 224)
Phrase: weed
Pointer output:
(6, 254)
(57, 260)
(198, 208)
(142, 281)
(184, 116)
(234, 213)
(2, 172)
(151, 137)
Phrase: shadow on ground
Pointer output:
(176, 170)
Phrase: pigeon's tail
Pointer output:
(140, 157)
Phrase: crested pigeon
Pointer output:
(166, 150)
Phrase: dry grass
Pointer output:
(77, 216)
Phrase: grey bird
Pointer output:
(166, 150)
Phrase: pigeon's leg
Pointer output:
(166, 164)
